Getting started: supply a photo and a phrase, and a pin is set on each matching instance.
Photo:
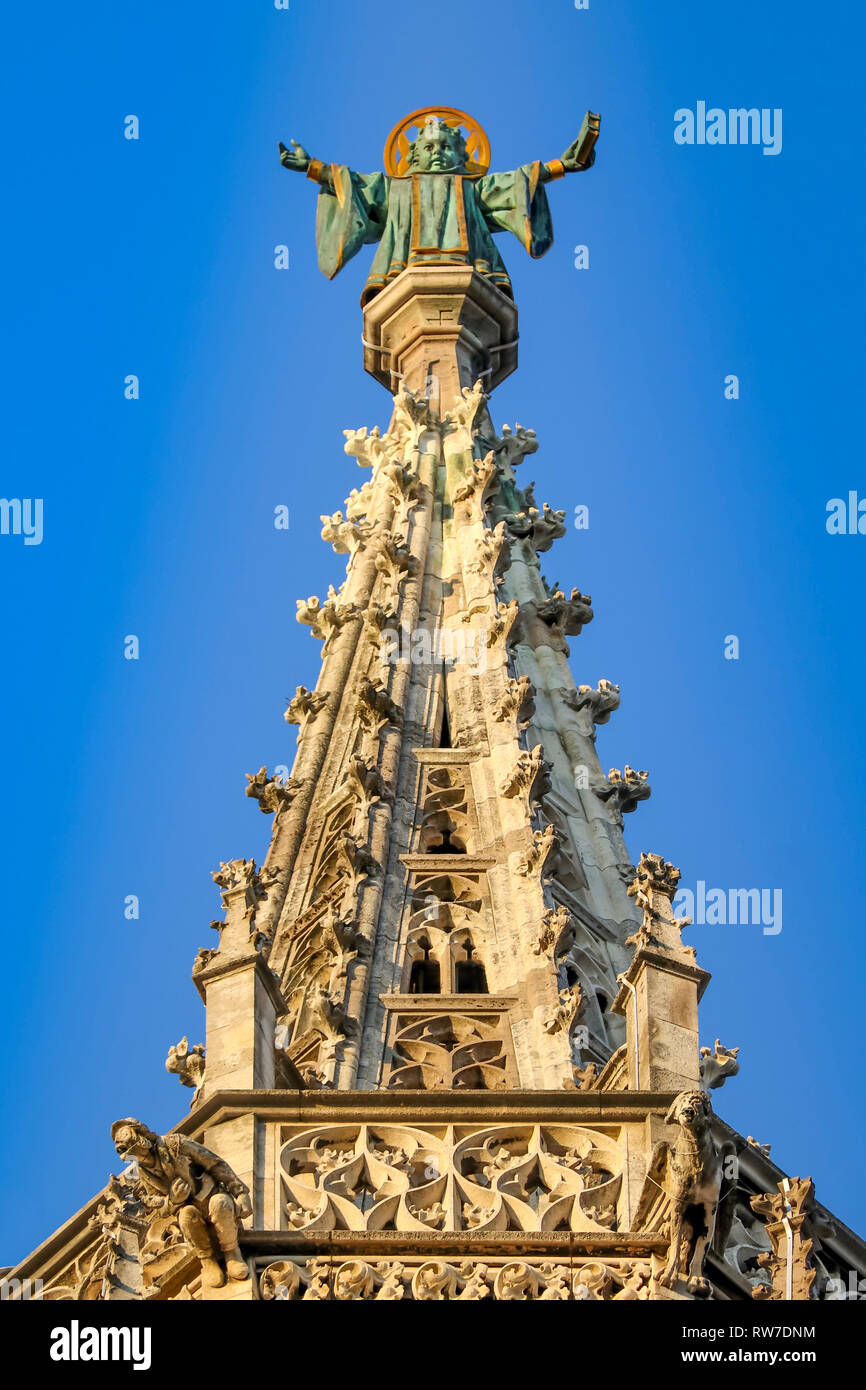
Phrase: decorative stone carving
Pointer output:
(556, 931)
(375, 706)
(463, 411)
(791, 1261)
(762, 1148)
(188, 1064)
(478, 486)
(517, 703)
(511, 448)
(545, 527)
(586, 1077)
(325, 619)
(359, 501)
(566, 616)
(449, 1050)
(523, 1177)
(412, 416)
(366, 786)
(653, 889)
(367, 446)
(243, 887)
(689, 1172)
(422, 1279)
(274, 793)
(502, 623)
(395, 562)
(717, 1064)
(177, 1180)
(377, 619)
(599, 703)
(532, 863)
(304, 706)
(625, 789)
(529, 779)
(344, 535)
(563, 1016)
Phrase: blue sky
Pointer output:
(707, 516)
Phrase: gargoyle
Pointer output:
(690, 1171)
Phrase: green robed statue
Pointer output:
(436, 203)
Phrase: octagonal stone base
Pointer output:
(438, 329)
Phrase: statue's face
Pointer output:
(437, 151)
(130, 1144)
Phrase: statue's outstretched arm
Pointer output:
(298, 159)
(580, 154)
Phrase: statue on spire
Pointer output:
(436, 203)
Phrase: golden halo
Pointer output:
(397, 144)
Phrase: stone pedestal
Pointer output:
(243, 1000)
(439, 328)
(659, 999)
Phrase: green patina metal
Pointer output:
(440, 211)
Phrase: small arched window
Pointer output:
(469, 974)
(424, 977)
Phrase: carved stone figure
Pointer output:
(178, 1178)
(689, 1170)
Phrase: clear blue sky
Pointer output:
(707, 516)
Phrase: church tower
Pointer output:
(451, 1045)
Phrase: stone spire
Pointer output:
(446, 900)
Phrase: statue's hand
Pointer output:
(570, 159)
(295, 158)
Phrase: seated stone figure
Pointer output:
(178, 1178)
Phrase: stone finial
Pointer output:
(271, 793)
(243, 886)
(717, 1064)
(653, 889)
(790, 1263)
(188, 1064)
